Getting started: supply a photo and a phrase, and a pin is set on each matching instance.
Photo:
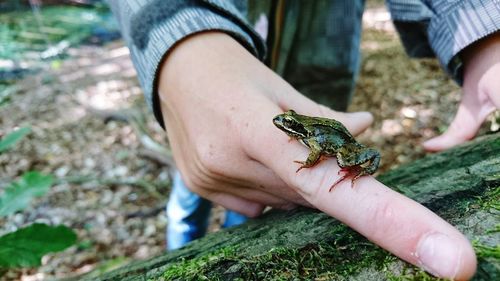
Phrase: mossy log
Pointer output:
(461, 185)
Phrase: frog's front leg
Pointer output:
(314, 155)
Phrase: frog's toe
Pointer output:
(343, 170)
(302, 165)
(357, 176)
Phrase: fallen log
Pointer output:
(461, 185)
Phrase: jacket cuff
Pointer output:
(148, 58)
(463, 24)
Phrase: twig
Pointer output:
(153, 150)
(152, 155)
(148, 186)
(151, 212)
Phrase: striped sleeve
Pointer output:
(449, 26)
(151, 28)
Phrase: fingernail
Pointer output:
(439, 255)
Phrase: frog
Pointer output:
(327, 137)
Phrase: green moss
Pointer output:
(324, 261)
(484, 251)
(491, 200)
(196, 269)
(311, 262)
(496, 229)
(413, 274)
(344, 255)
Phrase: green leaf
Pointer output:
(11, 139)
(26, 246)
(19, 194)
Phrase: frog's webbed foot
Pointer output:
(339, 180)
(354, 172)
(357, 176)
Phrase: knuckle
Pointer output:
(383, 220)
(207, 159)
(194, 182)
(253, 212)
(197, 180)
(311, 183)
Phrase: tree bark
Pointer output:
(461, 185)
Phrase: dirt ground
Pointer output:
(112, 191)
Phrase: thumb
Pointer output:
(481, 85)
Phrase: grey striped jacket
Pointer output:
(440, 28)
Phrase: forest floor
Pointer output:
(112, 190)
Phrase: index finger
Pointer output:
(389, 219)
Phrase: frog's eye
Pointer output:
(295, 127)
(289, 123)
(292, 123)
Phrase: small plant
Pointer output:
(19, 194)
(11, 139)
(26, 246)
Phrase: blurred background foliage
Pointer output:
(33, 38)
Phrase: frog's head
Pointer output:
(290, 123)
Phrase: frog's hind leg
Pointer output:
(344, 170)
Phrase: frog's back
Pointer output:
(331, 138)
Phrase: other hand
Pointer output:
(481, 93)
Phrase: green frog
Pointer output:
(329, 137)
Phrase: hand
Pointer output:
(218, 102)
(481, 93)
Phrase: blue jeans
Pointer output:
(188, 214)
